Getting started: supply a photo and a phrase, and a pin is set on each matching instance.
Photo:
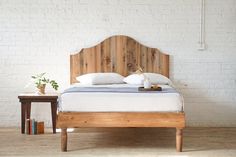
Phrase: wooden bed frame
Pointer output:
(119, 54)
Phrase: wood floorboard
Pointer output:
(217, 142)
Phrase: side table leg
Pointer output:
(28, 110)
(54, 115)
(23, 111)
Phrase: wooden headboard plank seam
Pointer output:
(120, 54)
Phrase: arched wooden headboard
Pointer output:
(120, 54)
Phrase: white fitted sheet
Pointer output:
(121, 102)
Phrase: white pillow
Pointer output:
(136, 79)
(154, 78)
(100, 78)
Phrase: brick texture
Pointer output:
(39, 36)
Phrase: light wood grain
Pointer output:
(64, 139)
(179, 139)
(120, 54)
(120, 119)
(123, 55)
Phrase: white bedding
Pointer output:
(120, 102)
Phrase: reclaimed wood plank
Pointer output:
(120, 119)
(120, 54)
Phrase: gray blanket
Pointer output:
(115, 90)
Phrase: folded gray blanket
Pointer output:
(116, 90)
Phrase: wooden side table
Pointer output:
(27, 98)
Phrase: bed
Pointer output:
(120, 54)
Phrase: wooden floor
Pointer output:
(138, 142)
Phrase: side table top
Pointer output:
(39, 96)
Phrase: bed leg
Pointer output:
(64, 139)
(179, 139)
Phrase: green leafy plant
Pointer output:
(41, 80)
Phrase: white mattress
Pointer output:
(121, 102)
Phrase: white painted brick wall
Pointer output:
(38, 36)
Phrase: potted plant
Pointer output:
(40, 81)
